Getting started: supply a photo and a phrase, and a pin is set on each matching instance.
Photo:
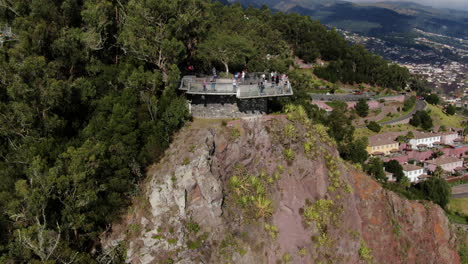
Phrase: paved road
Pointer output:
(460, 191)
(420, 105)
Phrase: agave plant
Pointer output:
(263, 206)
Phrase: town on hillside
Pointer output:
(420, 153)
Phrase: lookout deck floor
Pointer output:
(247, 89)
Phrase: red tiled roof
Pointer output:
(410, 167)
(420, 135)
(443, 160)
(384, 138)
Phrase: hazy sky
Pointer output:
(453, 4)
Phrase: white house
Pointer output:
(412, 172)
(424, 139)
(449, 137)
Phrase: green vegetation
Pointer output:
(458, 210)
(436, 189)
(365, 132)
(409, 103)
(374, 126)
(421, 119)
(396, 169)
(227, 48)
(288, 155)
(90, 99)
(433, 99)
(459, 182)
(440, 118)
(322, 213)
(250, 193)
(462, 242)
(272, 230)
(450, 110)
(362, 108)
(234, 133)
(369, 68)
(375, 168)
(286, 258)
(337, 104)
(396, 227)
(365, 253)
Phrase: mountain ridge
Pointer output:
(403, 15)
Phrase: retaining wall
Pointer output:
(226, 106)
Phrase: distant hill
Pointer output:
(375, 19)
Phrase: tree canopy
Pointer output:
(227, 48)
(89, 99)
(362, 108)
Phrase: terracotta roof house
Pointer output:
(382, 143)
(446, 163)
(449, 137)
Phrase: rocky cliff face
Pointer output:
(273, 190)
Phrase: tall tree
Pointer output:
(227, 48)
(376, 169)
(362, 108)
(437, 190)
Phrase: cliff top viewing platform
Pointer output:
(253, 86)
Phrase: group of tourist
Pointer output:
(275, 78)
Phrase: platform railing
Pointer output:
(243, 88)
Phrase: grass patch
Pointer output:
(365, 253)
(459, 205)
(335, 104)
(396, 115)
(272, 230)
(365, 132)
(441, 119)
(288, 155)
(459, 182)
(458, 210)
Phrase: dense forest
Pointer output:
(88, 98)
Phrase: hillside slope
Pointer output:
(273, 190)
(374, 19)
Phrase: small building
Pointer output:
(382, 143)
(424, 139)
(449, 138)
(390, 176)
(412, 172)
(446, 163)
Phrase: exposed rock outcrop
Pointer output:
(273, 190)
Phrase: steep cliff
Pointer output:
(273, 190)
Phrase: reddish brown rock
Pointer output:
(190, 184)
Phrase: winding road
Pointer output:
(420, 105)
(460, 191)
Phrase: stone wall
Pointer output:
(226, 106)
